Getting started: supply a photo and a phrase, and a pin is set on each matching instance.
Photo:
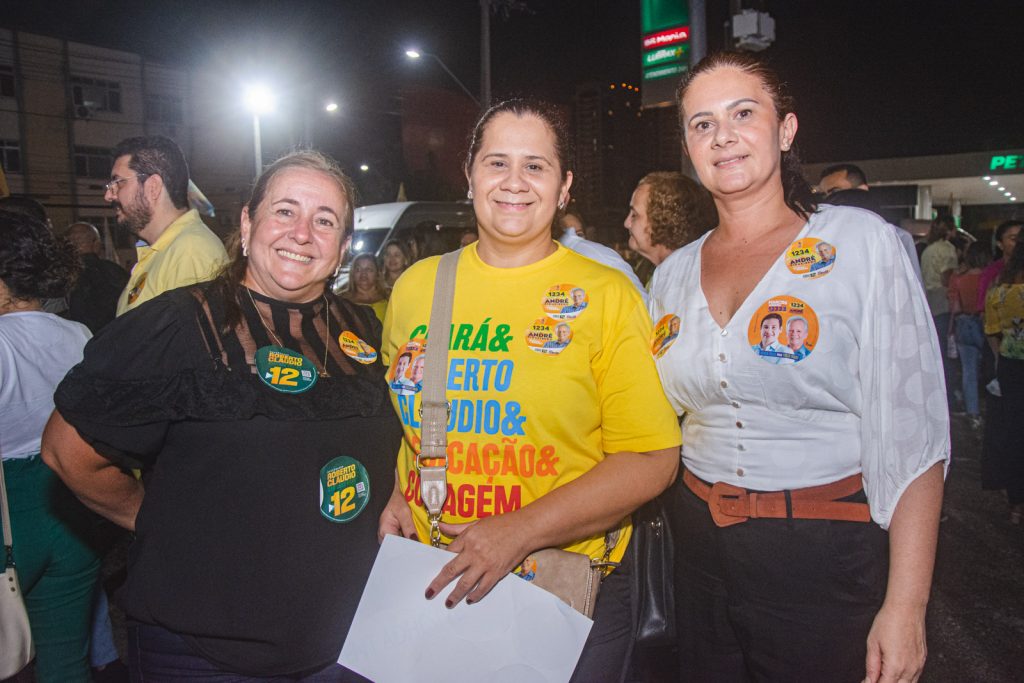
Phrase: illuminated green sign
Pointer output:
(1007, 162)
(666, 55)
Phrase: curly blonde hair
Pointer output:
(678, 209)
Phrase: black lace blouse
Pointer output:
(235, 549)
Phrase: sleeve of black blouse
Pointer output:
(126, 391)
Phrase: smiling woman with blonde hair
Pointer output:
(255, 403)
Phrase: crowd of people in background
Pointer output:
(205, 359)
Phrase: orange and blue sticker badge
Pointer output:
(565, 301)
(811, 258)
(548, 336)
(355, 348)
(664, 335)
(783, 330)
(405, 376)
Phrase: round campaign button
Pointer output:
(783, 330)
(548, 336)
(285, 370)
(354, 347)
(344, 489)
(565, 301)
(664, 335)
(810, 257)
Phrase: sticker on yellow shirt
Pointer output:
(810, 257)
(405, 376)
(784, 330)
(135, 291)
(548, 336)
(344, 489)
(565, 302)
(354, 347)
(664, 335)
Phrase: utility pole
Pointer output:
(485, 54)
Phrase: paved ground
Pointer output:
(976, 615)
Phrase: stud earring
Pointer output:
(561, 205)
(245, 249)
(337, 271)
(469, 194)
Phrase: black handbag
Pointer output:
(654, 609)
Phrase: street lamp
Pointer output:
(331, 107)
(259, 100)
(416, 54)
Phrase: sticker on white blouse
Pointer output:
(548, 336)
(134, 292)
(664, 335)
(355, 348)
(405, 377)
(344, 489)
(784, 330)
(810, 257)
(285, 370)
(565, 301)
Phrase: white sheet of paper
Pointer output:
(517, 633)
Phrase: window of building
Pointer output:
(6, 81)
(164, 108)
(10, 156)
(92, 162)
(95, 94)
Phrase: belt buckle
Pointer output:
(738, 496)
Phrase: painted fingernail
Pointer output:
(429, 594)
(469, 601)
(449, 604)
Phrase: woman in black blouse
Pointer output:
(255, 404)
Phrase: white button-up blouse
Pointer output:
(829, 368)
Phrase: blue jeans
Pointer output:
(970, 340)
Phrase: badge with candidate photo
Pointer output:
(405, 377)
(784, 330)
(285, 370)
(548, 336)
(664, 335)
(565, 302)
(355, 348)
(344, 489)
(810, 257)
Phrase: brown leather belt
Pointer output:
(733, 505)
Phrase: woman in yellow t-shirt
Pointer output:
(559, 427)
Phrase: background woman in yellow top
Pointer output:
(366, 285)
(1004, 325)
(546, 446)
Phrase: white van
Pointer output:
(437, 227)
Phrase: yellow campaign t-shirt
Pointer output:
(549, 368)
(1004, 315)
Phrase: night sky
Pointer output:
(872, 78)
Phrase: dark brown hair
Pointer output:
(158, 155)
(35, 264)
(678, 209)
(230, 278)
(797, 191)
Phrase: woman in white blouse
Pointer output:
(797, 461)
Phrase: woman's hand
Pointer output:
(487, 550)
(396, 519)
(896, 645)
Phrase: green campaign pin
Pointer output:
(344, 489)
(285, 370)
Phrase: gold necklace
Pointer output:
(327, 325)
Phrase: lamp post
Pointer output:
(259, 100)
(416, 54)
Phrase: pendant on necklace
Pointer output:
(285, 370)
